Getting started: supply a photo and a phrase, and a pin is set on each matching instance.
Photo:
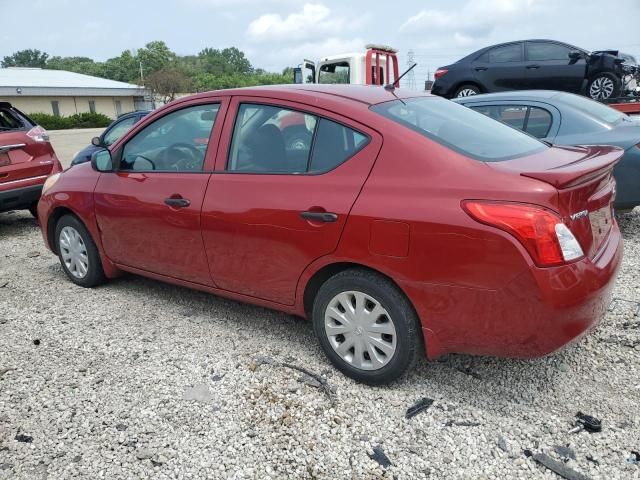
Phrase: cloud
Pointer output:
(312, 22)
(474, 20)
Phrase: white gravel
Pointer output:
(138, 379)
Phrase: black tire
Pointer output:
(401, 315)
(465, 89)
(94, 275)
(601, 84)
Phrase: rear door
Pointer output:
(502, 68)
(286, 178)
(21, 156)
(550, 68)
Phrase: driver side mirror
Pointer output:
(95, 141)
(101, 161)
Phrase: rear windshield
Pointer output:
(10, 119)
(460, 128)
(597, 110)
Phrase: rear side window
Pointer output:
(10, 120)
(271, 139)
(541, 51)
(460, 128)
(506, 53)
(533, 120)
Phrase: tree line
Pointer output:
(157, 67)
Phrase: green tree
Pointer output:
(154, 56)
(26, 58)
(169, 81)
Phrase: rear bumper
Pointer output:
(539, 312)
(18, 198)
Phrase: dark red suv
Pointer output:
(393, 220)
(26, 160)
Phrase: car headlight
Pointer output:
(50, 182)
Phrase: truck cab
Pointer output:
(378, 65)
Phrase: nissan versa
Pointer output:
(394, 221)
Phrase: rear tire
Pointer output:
(78, 253)
(366, 326)
(467, 90)
(604, 86)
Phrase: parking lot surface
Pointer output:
(67, 143)
(139, 379)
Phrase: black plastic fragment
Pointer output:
(36, 342)
(558, 467)
(422, 404)
(379, 456)
(592, 460)
(23, 438)
(590, 424)
(461, 423)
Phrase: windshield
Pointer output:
(460, 128)
(600, 112)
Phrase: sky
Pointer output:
(275, 34)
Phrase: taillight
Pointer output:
(440, 72)
(38, 134)
(542, 233)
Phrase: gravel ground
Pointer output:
(138, 379)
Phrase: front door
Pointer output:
(148, 210)
(281, 194)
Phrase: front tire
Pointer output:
(366, 326)
(467, 90)
(604, 86)
(78, 253)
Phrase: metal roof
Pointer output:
(19, 81)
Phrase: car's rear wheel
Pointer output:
(467, 90)
(604, 86)
(366, 326)
(78, 253)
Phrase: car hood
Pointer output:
(84, 155)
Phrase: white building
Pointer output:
(57, 92)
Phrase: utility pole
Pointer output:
(141, 74)
(411, 78)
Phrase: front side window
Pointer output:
(176, 142)
(271, 139)
(118, 130)
(334, 73)
(506, 53)
(460, 128)
(541, 51)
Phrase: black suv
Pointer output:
(539, 64)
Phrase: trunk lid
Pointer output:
(583, 178)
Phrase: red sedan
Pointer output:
(394, 221)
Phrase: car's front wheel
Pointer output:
(366, 326)
(78, 253)
(604, 86)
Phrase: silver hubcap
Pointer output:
(360, 330)
(466, 92)
(74, 252)
(601, 88)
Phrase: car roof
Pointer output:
(363, 94)
(519, 95)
